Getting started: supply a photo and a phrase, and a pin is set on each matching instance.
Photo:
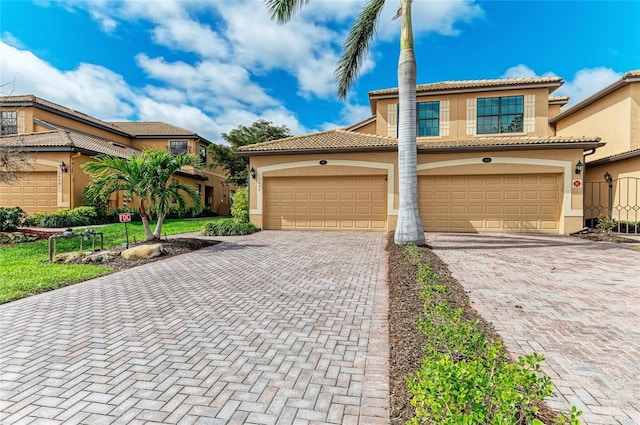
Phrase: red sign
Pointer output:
(577, 184)
(125, 217)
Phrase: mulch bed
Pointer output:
(406, 342)
(603, 237)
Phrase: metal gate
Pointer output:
(617, 198)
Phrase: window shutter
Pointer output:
(529, 113)
(444, 118)
(392, 120)
(471, 116)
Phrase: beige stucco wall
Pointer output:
(385, 163)
(458, 112)
(614, 118)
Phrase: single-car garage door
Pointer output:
(35, 192)
(500, 203)
(326, 203)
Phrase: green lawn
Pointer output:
(25, 270)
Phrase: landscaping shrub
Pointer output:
(11, 218)
(228, 228)
(466, 378)
(240, 207)
(606, 223)
(64, 217)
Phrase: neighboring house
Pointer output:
(487, 162)
(61, 139)
(612, 181)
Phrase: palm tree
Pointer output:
(144, 178)
(409, 228)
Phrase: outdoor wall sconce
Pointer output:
(579, 166)
(252, 171)
(607, 177)
(63, 167)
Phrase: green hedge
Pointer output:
(228, 228)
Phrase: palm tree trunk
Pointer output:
(145, 222)
(409, 228)
(156, 233)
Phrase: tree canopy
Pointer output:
(226, 156)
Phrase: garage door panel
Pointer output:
(491, 203)
(332, 203)
(34, 191)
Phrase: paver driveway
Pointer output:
(276, 327)
(577, 302)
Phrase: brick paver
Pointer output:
(575, 301)
(272, 328)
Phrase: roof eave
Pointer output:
(520, 147)
(248, 154)
(615, 158)
(550, 85)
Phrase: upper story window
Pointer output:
(203, 155)
(178, 147)
(427, 119)
(8, 122)
(428, 116)
(500, 115)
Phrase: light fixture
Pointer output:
(63, 167)
(579, 166)
(607, 177)
(252, 171)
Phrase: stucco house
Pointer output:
(612, 181)
(488, 161)
(60, 140)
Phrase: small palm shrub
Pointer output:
(228, 228)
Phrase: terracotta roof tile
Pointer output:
(69, 139)
(151, 128)
(341, 140)
(559, 99)
(475, 84)
(329, 140)
(491, 142)
(54, 106)
(617, 157)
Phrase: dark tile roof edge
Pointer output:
(361, 124)
(614, 158)
(628, 78)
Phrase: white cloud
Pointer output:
(189, 36)
(523, 71)
(110, 96)
(587, 82)
(584, 83)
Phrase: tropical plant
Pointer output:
(408, 228)
(240, 207)
(144, 178)
(226, 157)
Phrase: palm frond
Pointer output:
(283, 10)
(356, 46)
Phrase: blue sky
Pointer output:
(211, 66)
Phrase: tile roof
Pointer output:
(326, 140)
(552, 82)
(510, 141)
(559, 99)
(613, 158)
(341, 140)
(151, 128)
(68, 140)
(627, 78)
(45, 104)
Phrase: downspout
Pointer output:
(72, 179)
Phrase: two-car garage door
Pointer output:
(494, 203)
(326, 203)
(498, 203)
